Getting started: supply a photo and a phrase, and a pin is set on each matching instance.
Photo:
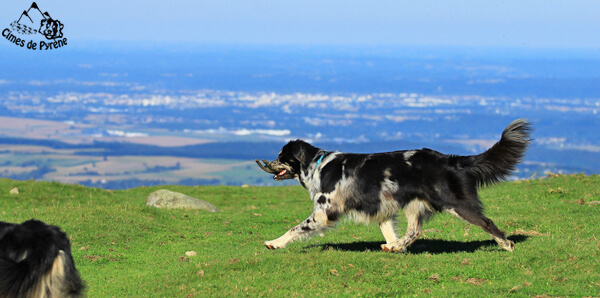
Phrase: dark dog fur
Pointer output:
(36, 261)
(374, 187)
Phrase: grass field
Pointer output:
(124, 249)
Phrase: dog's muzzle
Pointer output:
(281, 171)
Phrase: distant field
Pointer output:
(67, 167)
(76, 133)
(124, 249)
(45, 163)
(43, 129)
(141, 167)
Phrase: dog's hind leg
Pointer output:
(477, 218)
(416, 212)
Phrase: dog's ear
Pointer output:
(303, 151)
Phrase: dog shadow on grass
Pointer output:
(432, 246)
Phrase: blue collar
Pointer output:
(319, 161)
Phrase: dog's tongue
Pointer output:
(281, 173)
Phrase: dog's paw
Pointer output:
(508, 245)
(274, 244)
(390, 247)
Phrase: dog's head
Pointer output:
(294, 156)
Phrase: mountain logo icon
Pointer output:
(34, 21)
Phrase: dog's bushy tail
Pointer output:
(500, 160)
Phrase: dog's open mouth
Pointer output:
(280, 174)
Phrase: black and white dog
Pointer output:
(374, 187)
(36, 261)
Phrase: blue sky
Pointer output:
(510, 23)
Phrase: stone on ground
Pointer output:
(163, 198)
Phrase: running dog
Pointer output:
(36, 261)
(374, 187)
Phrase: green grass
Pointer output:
(124, 249)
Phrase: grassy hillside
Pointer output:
(125, 249)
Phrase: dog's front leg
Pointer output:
(389, 232)
(316, 223)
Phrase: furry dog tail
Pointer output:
(34, 262)
(500, 160)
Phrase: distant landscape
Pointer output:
(200, 114)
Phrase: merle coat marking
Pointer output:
(36, 261)
(374, 187)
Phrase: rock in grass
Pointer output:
(163, 198)
(14, 191)
(191, 253)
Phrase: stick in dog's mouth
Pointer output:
(267, 167)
